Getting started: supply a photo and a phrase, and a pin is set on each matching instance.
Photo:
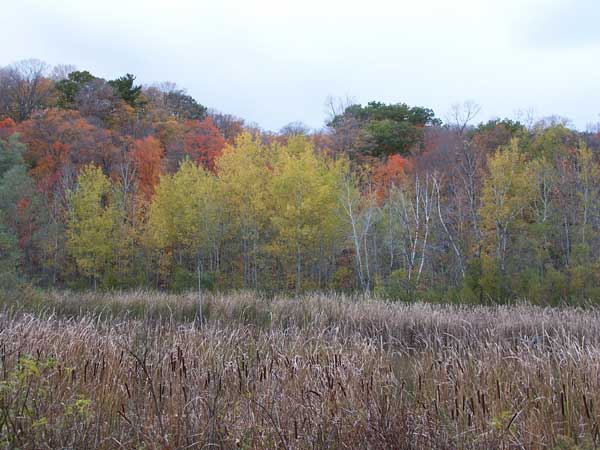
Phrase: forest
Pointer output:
(108, 184)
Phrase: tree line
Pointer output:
(107, 184)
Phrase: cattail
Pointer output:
(587, 411)
(483, 404)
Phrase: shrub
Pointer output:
(397, 286)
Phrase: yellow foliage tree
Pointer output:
(184, 215)
(93, 220)
(245, 172)
(507, 193)
(306, 201)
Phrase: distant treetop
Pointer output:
(386, 129)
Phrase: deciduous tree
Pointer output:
(147, 157)
(92, 224)
(245, 171)
(184, 216)
(305, 192)
(24, 88)
(507, 195)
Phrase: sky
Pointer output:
(273, 62)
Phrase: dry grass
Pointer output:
(130, 371)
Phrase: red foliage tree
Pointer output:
(7, 127)
(392, 172)
(55, 138)
(147, 156)
(201, 141)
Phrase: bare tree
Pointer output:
(451, 239)
(24, 88)
(335, 106)
(527, 118)
(552, 121)
(592, 127)
(96, 99)
(295, 128)
(231, 126)
(166, 87)
(467, 159)
(360, 212)
(413, 210)
(461, 114)
(61, 72)
(469, 166)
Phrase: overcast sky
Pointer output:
(276, 61)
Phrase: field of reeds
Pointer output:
(130, 371)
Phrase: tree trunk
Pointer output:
(199, 320)
(298, 269)
(255, 264)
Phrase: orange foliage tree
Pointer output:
(147, 156)
(7, 127)
(200, 141)
(55, 138)
(203, 142)
(390, 173)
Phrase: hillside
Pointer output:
(106, 184)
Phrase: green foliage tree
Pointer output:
(9, 256)
(184, 106)
(387, 128)
(21, 207)
(125, 88)
(514, 127)
(11, 153)
(70, 87)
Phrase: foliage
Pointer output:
(385, 197)
(147, 157)
(244, 172)
(184, 106)
(69, 88)
(305, 192)
(184, 214)
(396, 287)
(388, 128)
(203, 142)
(9, 257)
(92, 224)
(507, 195)
(11, 153)
(125, 88)
(390, 173)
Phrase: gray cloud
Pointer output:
(569, 24)
(274, 62)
